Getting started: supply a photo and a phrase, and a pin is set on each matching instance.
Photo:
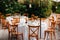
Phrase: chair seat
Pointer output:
(4, 27)
(17, 33)
(49, 30)
(11, 30)
(34, 35)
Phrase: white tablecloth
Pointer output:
(23, 27)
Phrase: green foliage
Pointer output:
(41, 10)
(58, 8)
(45, 9)
(12, 6)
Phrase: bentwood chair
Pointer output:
(0, 17)
(59, 26)
(50, 31)
(33, 32)
(4, 23)
(14, 31)
(8, 14)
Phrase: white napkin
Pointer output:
(9, 19)
(34, 23)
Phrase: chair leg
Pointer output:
(37, 37)
(50, 35)
(29, 37)
(44, 35)
(9, 36)
(16, 37)
(22, 37)
(47, 34)
(54, 35)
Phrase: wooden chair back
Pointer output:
(33, 30)
(17, 20)
(14, 29)
(4, 23)
(53, 24)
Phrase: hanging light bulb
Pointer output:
(30, 6)
(56, 4)
(56, 7)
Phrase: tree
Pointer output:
(38, 8)
(11, 6)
